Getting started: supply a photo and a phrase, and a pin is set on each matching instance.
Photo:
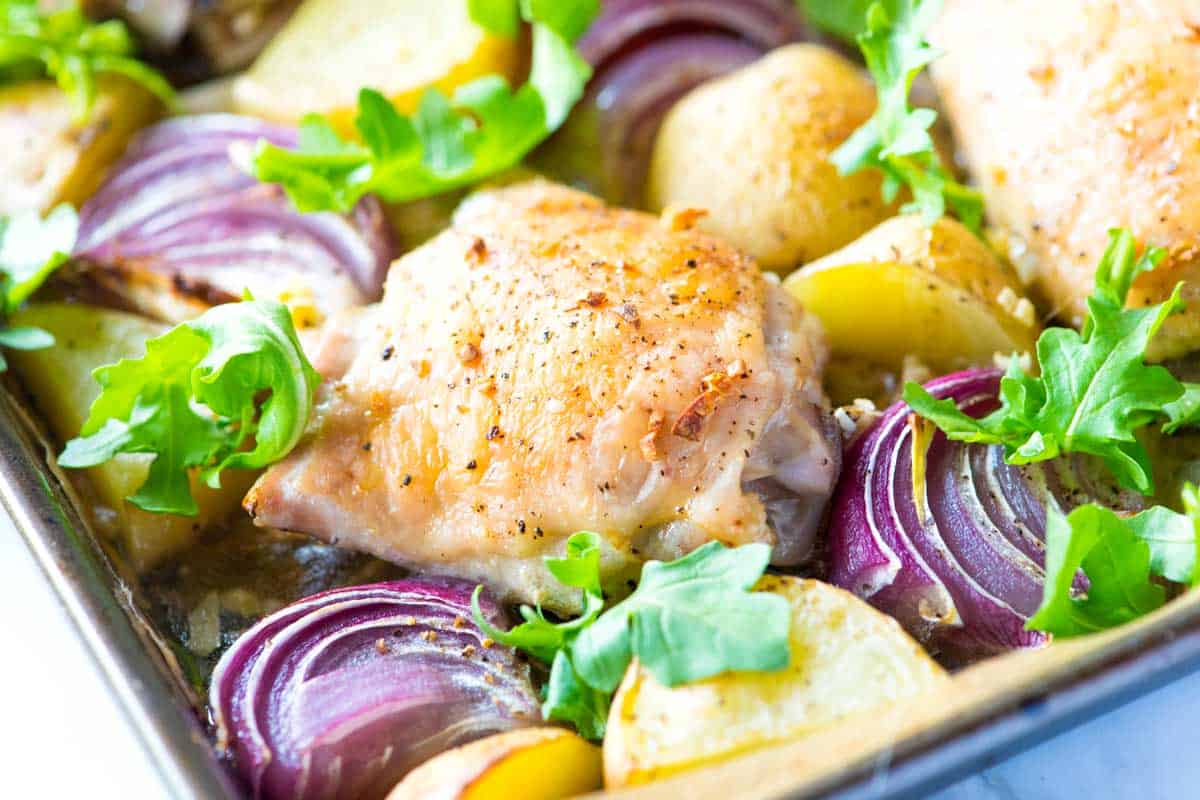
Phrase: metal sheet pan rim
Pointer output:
(102, 613)
(176, 742)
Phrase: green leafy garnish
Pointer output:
(689, 619)
(896, 139)
(31, 249)
(1095, 389)
(1120, 557)
(1184, 412)
(484, 128)
(68, 47)
(202, 393)
(844, 18)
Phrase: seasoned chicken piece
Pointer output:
(549, 365)
(1076, 117)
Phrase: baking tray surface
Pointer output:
(996, 708)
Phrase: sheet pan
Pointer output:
(992, 709)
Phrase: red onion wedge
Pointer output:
(176, 216)
(341, 694)
(960, 561)
(647, 55)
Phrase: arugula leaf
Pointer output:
(689, 619)
(68, 47)
(501, 17)
(1190, 497)
(484, 128)
(31, 249)
(1095, 389)
(1119, 556)
(1116, 562)
(896, 139)
(195, 399)
(1184, 412)
(569, 699)
(844, 18)
(1171, 538)
(539, 636)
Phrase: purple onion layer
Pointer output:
(177, 205)
(960, 564)
(647, 54)
(341, 694)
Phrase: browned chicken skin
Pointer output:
(549, 365)
(1077, 117)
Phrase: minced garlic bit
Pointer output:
(1019, 308)
(915, 370)
(1024, 361)
(855, 418)
(298, 297)
(204, 625)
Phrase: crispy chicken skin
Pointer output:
(1077, 117)
(549, 365)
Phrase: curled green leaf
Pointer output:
(688, 619)
(31, 250)
(1094, 390)
(482, 129)
(199, 396)
(65, 45)
(896, 140)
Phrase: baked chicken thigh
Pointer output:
(549, 365)
(1078, 117)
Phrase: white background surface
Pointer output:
(62, 735)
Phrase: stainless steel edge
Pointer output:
(1043, 714)
(101, 609)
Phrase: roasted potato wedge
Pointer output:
(60, 382)
(332, 48)
(56, 159)
(906, 288)
(847, 658)
(530, 763)
(753, 149)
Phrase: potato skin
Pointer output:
(539, 763)
(753, 149)
(53, 158)
(1075, 118)
(847, 658)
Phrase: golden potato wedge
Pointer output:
(55, 159)
(529, 763)
(905, 288)
(332, 48)
(847, 658)
(753, 149)
(60, 382)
